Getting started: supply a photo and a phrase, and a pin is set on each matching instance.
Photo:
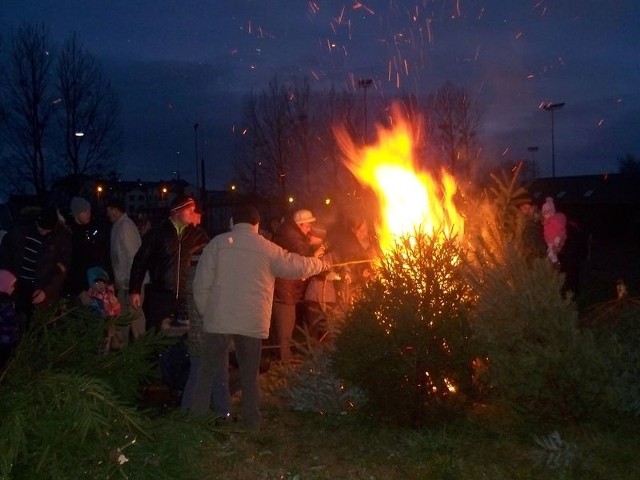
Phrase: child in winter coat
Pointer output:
(9, 320)
(554, 228)
(101, 297)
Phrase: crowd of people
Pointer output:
(235, 294)
(238, 292)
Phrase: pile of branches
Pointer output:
(68, 409)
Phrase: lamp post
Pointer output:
(203, 187)
(176, 172)
(195, 142)
(533, 151)
(552, 107)
(365, 83)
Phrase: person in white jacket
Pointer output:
(125, 242)
(233, 291)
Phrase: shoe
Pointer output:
(225, 419)
(179, 321)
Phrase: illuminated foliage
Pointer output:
(406, 344)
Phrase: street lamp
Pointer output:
(552, 107)
(195, 142)
(533, 151)
(365, 83)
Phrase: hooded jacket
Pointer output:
(233, 286)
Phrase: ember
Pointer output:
(410, 198)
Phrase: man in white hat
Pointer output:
(293, 236)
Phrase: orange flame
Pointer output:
(410, 198)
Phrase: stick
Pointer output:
(351, 263)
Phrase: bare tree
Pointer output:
(336, 110)
(87, 114)
(454, 121)
(290, 146)
(302, 119)
(76, 94)
(29, 107)
(270, 135)
(250, 170)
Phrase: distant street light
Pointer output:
(365, 84)
(552, 107)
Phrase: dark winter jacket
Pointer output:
(89, 248)
(291, 238)
(167, 258)
(53, 261)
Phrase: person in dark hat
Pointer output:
(38, 254)
(166, 253)
(89, 245)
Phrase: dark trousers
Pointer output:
(157, 306)
(212, 372)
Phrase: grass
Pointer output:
(488, 444)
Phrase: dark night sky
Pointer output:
(176, 63)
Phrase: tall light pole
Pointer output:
(533, 151)
(195, 134)
(365, 83)
(177, 170)
(202, 172)
(552, 107)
